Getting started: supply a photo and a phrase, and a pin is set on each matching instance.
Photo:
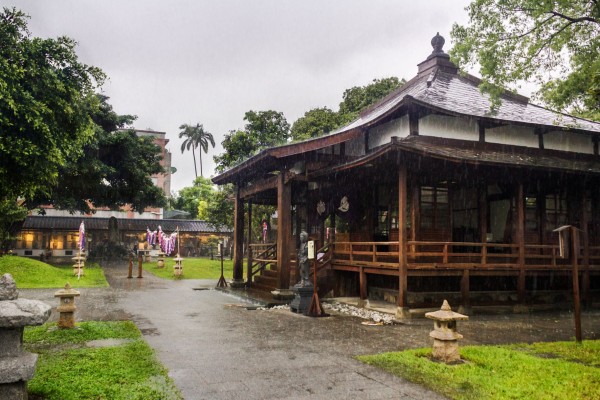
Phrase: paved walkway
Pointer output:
(216, 349)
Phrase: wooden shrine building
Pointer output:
(428, 191)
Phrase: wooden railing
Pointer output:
(261, 255)
(375, 254)
(455, 255)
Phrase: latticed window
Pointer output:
(531, 219)
(556, 211)
(434, 207)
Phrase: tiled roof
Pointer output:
(460, 95)
(93, 223)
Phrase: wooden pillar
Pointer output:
(402, 311)
(332, 230)
(249, 242)
(576, 304)
(520, 239)
(238, 241)
(585, 277)
(284, 220)
(464, 290)
(362, 283)
(483, 220)
(415, 209)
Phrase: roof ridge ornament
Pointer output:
(438, 59)
(437, 42)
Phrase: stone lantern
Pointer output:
(178, 267)
(445, 337)
(16, 366)
(67, 307)
(160, 263)
(78, 266)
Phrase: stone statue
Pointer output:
(303, 264)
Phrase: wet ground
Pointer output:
(216, 348)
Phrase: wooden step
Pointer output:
(269, 273)
(262, 287)
(268, 281)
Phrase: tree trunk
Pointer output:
(194, 156)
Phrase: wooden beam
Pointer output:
(413, 121)
(402, 239)
(258, 186)
(284, 220)
(481, 126)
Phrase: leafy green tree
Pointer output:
(115, 169)
(46, 96)
(268, 127)
(11, 213)
(220, 208)
(196, 136)
(194, 199)
(314, 123)
(59, 143)
(358, 98)
(554, 44)
(262, 130)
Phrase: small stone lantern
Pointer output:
(67, 307)
(445, 337)
(178, 267)
(78, 266)
(160, 263)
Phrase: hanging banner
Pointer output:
(81, 240)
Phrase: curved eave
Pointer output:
(274, 154)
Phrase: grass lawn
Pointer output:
(68, 370)
(193, 268)
(29, 273)
(557, 370)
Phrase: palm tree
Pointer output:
(196, 136)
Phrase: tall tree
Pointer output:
(554, 44)
(58, 139)
(115, 169)
(263, 129)
(196, 136)
(46, 96)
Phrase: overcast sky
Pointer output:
(210, 61)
